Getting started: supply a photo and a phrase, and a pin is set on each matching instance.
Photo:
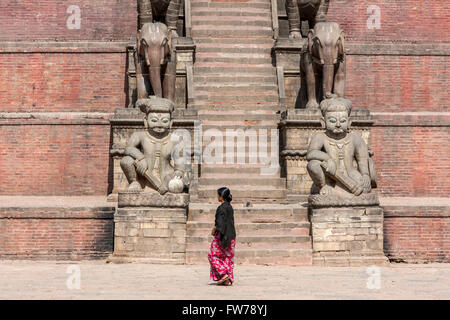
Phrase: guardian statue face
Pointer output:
(336, 122)
(158, 122)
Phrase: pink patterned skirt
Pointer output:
(221, 261)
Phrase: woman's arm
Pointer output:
(220, 219)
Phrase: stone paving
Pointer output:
(48, 280)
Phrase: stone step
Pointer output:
(219, 21)
(242, 80)
(208, 44)
(254, 242)
(202, 212)
(243, 91)
(272, 123)
(245, 155)
(233, 55)
(243, 193)
(232, 169)
(294, 257)
(231, 107)
(230, 69)
(218, 98)
(227, 12)
(231, 32)
(220, 58)
(235, 88)
(233, 49)
(221, 17)
(252, 181)
(215, 6)
(195, 228)
(261, 42)
(238, 116)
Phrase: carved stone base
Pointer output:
(337, 200)
(153, 199)
(347, 236)
(150, 234)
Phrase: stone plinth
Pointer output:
(349, 234)
(150, 228)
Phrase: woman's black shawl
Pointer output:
(225, 224)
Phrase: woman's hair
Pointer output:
(225, 193)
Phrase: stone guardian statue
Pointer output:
(338, 160)
(148, 162)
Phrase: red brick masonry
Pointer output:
(55, 228)
(54, 157)
(417, 230)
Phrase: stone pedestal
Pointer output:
(347, 233)
(150, 228)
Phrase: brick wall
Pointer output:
(417, 234)
(47, 19)
(397, 83)
(76, 82)
(56, 233)
(54, 158)
(412, 161)
(410, 20)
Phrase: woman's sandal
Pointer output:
(227, 283)
(224, 278)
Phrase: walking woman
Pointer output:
(221, 255)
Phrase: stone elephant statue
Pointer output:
(165, 11)
(155, 62)
(312, 11)
(323, 63)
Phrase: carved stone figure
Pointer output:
(338, 160)
(312, 11)
(148, 160)
(155, 62)
(323, 63)
(165, 11)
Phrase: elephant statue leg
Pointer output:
(172, 16)
(145, 12)
(310, 82)
(322, 11)
(339, 80)
(170, 78)
(293, 19)
(142, 92)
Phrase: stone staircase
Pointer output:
(268, 234)
(236, 89)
